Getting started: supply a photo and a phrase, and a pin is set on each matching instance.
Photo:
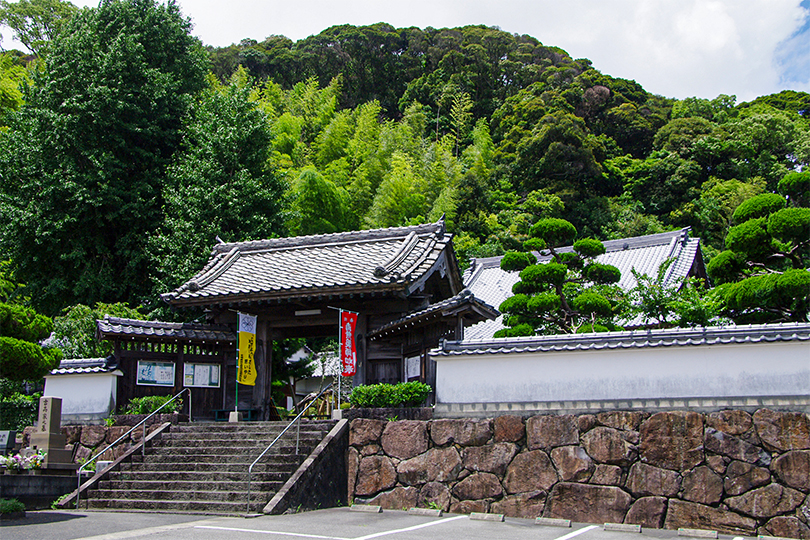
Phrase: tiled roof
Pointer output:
(671, 337)
(465, 300)
(85, 365)
(115, 327)
(379, 260)
(644, 253)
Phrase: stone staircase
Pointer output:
(202, 468)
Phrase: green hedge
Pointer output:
(149, 404)
(409, 394)
(18, 412)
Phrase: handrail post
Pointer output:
(297, 435)
(119, 439)
(283, 431)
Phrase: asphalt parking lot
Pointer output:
(331, 524)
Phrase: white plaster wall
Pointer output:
(86, 396)
(734, 370)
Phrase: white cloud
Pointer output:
(677, 48)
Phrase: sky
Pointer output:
(675, 48)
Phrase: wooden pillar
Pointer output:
(362, 347)
(264, 360)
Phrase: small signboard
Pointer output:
(155, 373)
(201, 375)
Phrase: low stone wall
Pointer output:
(85, 441)
(730, 471)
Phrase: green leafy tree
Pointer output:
(21, 356)
(84, 161)
(36, 23)
(12, 76)
(74, 332)
(684, 302)
(319, 207)
(222, 185)
(762, 275)
(570, 293)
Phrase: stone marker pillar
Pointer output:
(48, 436)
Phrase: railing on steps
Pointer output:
(297, 436)
(122, 437)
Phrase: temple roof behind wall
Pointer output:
(644, 253)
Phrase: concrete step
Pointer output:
(190, 482)
(289, 464)
(167, 495)
(188, 439)
(202, 468)
(232, 450)
(227, 458)
(194, 507)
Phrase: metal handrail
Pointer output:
(294, 420)
(122, 437)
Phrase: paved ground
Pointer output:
(331, 524)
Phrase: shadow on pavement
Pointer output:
(41, 518)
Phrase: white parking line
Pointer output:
(577, 532)
(321, 537)
(278, 533)
(415, 527)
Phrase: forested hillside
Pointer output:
(120, 168)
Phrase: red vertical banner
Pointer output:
(348, 351)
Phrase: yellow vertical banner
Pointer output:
(247, 347)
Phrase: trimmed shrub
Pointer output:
(149, 404)
(18, 412)
(408, 394)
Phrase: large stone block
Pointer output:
(702, 485)
(606, 445)
(785, 527)
(587, 503)
(548, 431)
(525, 505)
(645, 480)
(573, 463)
(478, 486)
(435, 465)
(624, 420)
(463, 432)
(363, 431)
(434, 494)
(405, 439)
(672, 440)
(375, 474)
(689, 515)
(399, 498)
(731, 422)
(92, 436)
(793, 469)
(647, 512)
(783, 431)
(509, 428)
(492, 458)
(468, 507)
(72, 434)
(734, 447)
(766, 502)
(741, 476)
(607, 475)
(530, 471)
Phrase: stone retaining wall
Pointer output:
(730, 471)
(85, 441)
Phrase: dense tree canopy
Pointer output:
(121, 168)
(84, 160)
(762, 274)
